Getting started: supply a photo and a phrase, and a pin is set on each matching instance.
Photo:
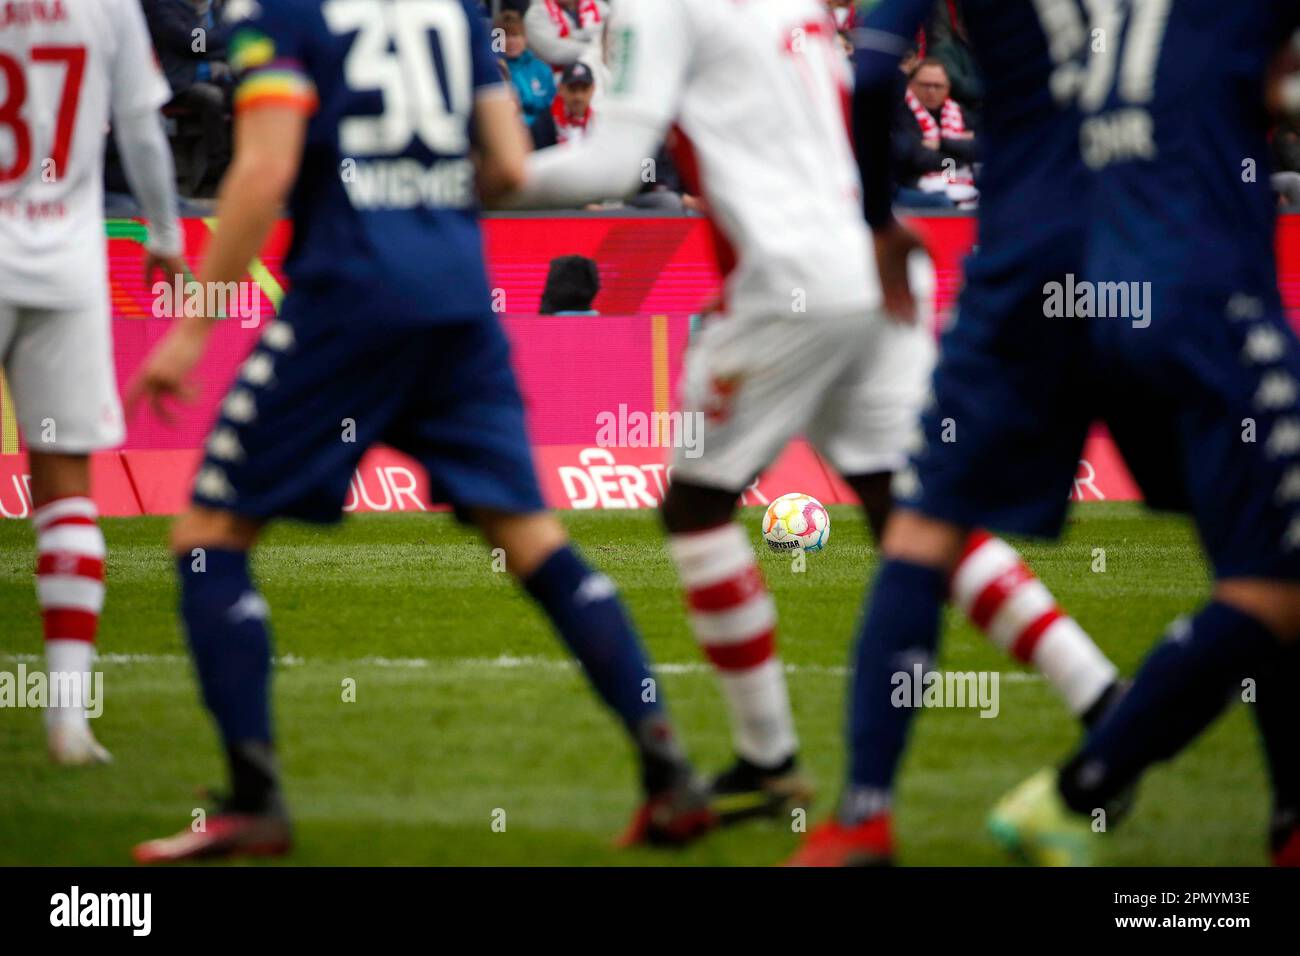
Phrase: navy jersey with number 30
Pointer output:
(384, 211)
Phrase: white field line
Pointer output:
(481, 665)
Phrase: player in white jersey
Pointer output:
(67, 70)
(802, 344)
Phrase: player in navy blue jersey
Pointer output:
(1200, 388)
(1021, 383)
(369, 116)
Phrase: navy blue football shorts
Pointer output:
(318, 391)
(1203, 404)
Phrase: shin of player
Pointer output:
(733, 617)
(1001, 596)
(70, 592)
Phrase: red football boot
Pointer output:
(673, 817)
(1286, 848)
(223, 835)
(833, 844)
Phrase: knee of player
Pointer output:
(1274, 604)
(206, 528)
(520, 543)
(918, 539)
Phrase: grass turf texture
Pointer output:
(465, 704)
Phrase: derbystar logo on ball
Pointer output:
(796, 522)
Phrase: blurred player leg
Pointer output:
(1177, 427)
(1000, 595)
(1277, 714)
(585, 610)
(1186, 682)
(733, 617)
(70, 591)
(900, 629)
(754, 382)
(225, 620)
(1181, 688)
(60, 369)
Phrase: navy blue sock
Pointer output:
(1277, 714)
(1182, 686)
(900, 629)
(584, 607)
(225, 621)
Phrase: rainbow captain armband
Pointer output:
(265, 78)
(279, 83)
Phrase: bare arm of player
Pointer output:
(880, 44)
(268, 150)
(502, 142)
(607, 165)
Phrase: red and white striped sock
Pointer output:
(734, 620)
(1003, 598)
(69, 590)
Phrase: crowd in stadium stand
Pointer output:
(554, 53)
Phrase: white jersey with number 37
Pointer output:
(760, 89)
(66, 66)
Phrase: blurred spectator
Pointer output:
(1286, 147)
(665, 189)
(572, 284)
(190, 41)
(570, 116)
(560, 31)
(1287, 187)
(947, 42)
(933, 149)
(845, 13)
(532, 79)
(596, 58)
(1286, 165)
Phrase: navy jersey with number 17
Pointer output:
(1176, 133)
(385, 215)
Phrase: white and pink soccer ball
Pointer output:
(796, 522)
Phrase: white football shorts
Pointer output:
(853, 385)
(59, 366)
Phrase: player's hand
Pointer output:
(894, 243)
(169, 266)
(166, 372)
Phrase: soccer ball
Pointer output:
(796, 522)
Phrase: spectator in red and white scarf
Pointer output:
(561, 31)
(933, 149)
(570, 117)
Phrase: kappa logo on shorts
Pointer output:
(594, 588)
(213, 484)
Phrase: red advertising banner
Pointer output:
(573, 370)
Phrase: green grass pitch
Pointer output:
(466, 705)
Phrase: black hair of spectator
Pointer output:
(572, 284)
